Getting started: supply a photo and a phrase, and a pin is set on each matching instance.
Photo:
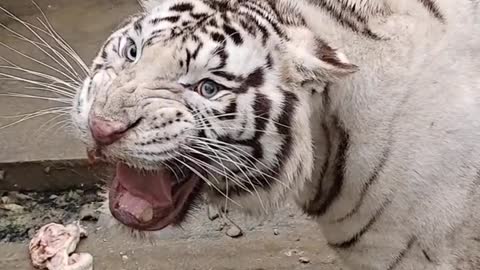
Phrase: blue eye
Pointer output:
(208, 88)
(130, 51)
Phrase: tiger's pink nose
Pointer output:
(106, 132)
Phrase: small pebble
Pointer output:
(73, 195)
(2, 175)
(304, 260)
(292, 252)
(89, 213)
(15, 208)
(234, 231)
(5, 200)
(124, 258)
(20, 196)
(276, 232)
(220, 227)
(328, 260)
(53, 197)
(47, 170)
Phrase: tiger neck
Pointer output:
(398, 45)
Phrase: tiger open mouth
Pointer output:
(151, 201)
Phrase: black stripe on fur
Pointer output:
(433, 9)
(256, 79)
(402, 253)
(339, 169)
(311, 208)
(348, 18)
(182, 7)
(284, 126)
(354, 240)
(373, 178)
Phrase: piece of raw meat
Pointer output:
(52, 247)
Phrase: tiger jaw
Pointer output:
(150, 197)
(151, 201)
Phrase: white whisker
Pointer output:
(173, 171)
(61, 125)
(53, 109)
(44, 89)
(38, 61)
(64, 89)
(66, 66)
(50, 88)
(39, 131)
(224, 173)
(239, 167)
(235, 129)
(234, 150)
(61, 100)
(242, 114)
(196, 172)
(30, 116)
(227, 149)
(66, 47)
(72, 85)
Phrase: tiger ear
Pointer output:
(314, 61)
(148, 5)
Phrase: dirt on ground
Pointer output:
(21, 214)
(207, 241)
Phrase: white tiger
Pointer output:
(250, 100)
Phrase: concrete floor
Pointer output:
(256, 251)
(273, 243)
(34, 156)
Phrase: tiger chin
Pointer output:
(251, 104)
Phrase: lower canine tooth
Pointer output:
(147, 215)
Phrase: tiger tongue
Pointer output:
(143, 194)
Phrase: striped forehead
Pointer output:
(206, 31)
(165, 22)
(210, 36)
(171, 20)
(223, 47)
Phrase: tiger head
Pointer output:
(207, 97)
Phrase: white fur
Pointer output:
(425, 78)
